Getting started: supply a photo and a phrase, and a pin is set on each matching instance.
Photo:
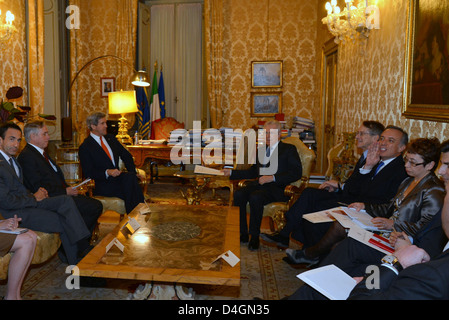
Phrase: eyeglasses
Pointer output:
(362, 133)
(412, 164)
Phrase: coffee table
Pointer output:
(175, 244)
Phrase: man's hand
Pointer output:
(113, 172)
(330, 185)
(357, 206)
(71, 191)
(266, 179)
(372, 157)
(41, 194)
(226, 172)
(399, 240)
(411, 255)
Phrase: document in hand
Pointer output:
(206, 170)
(372, 240)
(361, 218)
(330, 281)
(14, 231)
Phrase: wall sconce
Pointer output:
(353, 22)
(123, 102)
(6, 27)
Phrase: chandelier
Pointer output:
(353, 22)
(6, 26)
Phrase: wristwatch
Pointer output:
(392, 261)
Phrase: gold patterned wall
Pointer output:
(268, 30)
(371, 77)
(106, 28)
(13, 58)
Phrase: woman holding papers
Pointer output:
(418, 200)
(22, 245)
(419, 197)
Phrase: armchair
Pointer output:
(276, 210)
(342, 158)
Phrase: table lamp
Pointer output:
(122, 102)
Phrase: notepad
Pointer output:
(330, 281)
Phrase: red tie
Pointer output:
(104, 148)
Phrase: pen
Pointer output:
(343, 204)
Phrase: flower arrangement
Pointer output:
(9, 112)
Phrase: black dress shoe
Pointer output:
(253, 243)
(276, 238)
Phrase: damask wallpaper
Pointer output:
(106, 28)
(268, 30)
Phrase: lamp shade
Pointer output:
(121, 102)
(140, 79)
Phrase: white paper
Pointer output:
(364, 237)
(116, 243)
(206, 170)
(330, 281)
(229, 257)
(132, 225)
(319, 216)
(79, 185)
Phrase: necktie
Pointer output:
(381, 164)
(104, 148)
(46, 157)
(11, 162)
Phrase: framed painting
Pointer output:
(266, 74)
(107, 85)
(266, 104)
(426, 80)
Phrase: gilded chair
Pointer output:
(342, 158)
(275, 210)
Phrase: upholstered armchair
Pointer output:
(47, 245)
(276, 210)
(161, 128)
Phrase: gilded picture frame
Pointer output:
(426, 80)
(266, 104)
(266, 74)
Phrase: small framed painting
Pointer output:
(266, 104)
(266, 74)
(107, 85)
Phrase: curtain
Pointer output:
(106, 28)
(189, 63)
(213, 11)
(36, 55)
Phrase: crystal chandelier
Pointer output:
(6, 26)
(353, 22)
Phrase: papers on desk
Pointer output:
(160, 141)
(330, 281)
(206, 170)
(15, 231)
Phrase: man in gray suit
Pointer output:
(37, 211)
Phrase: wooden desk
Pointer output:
(148, 256)
(159, 153)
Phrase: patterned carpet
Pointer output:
(263, 273)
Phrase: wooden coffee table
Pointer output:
(175, 244)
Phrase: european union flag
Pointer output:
(143, 116)
(161, 93)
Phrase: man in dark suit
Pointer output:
(99, 156)
(37, 211)
(39, 170)
(366, 182)
(280, 166)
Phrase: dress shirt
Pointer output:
(41, 151)
(386, 162)
(7, 158)
(97, 139)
